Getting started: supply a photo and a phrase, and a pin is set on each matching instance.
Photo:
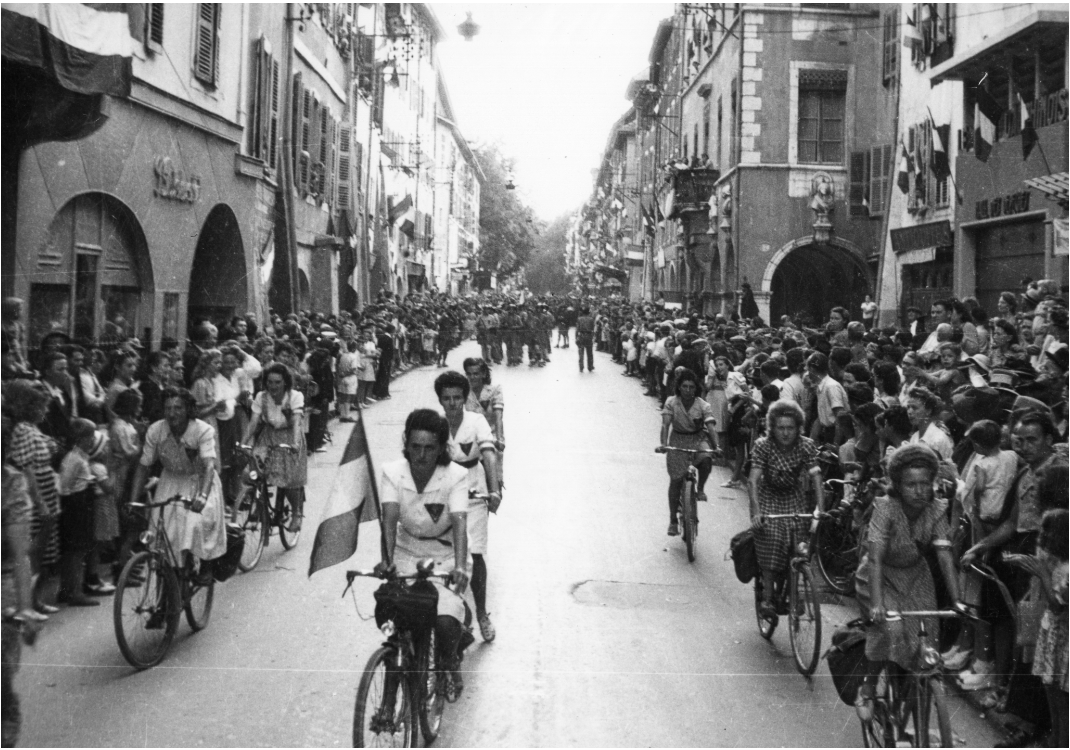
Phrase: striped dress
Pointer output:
(31, 453)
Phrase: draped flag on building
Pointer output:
(1029, 133)
(911, 34)
(87, 48)
(353, 500)
(986, 114)
(940, 162)
(906, 169)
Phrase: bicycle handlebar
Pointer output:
(819, 514)
(663, 448)
(181, 499)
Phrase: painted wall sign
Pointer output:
(1007, 205)
(922, 236)
(174, 184)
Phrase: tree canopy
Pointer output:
(506, 225)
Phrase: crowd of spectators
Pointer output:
(987, 393)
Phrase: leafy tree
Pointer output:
(546, 270)
(506, 225)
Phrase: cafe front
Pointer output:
(135, 230)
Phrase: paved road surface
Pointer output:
(606, 635)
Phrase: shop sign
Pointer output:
(1049, 109)
(922, 236)
(174, 184)
(1007, 205)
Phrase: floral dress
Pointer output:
(287, 469)
(1050, 657)
(782, 489)
(908, 580)
(31, 453)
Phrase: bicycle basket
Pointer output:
(847, 660)
(413, 607)
(224, 567)
(744, 556)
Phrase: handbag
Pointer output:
(847, 660)
(744, 556)
(413, 607)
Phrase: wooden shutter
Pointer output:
(260, 129)
(273, 126)
(880, 171)
(297, 127)
(858, 191)
(206, 58)
(154, 26)
(329, 164)
(344, 167)
(890, 62)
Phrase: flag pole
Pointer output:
(374, 483)
(1044, 156)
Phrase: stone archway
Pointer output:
(807, 279)
(218, 287)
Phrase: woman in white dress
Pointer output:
(424, 499)
(471, 444)
(185, 448)
(486, 398)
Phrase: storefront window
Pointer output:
(50, 311)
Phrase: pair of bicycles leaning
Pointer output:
(158, 584)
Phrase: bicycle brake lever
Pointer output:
(351, 575)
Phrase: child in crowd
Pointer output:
(82, 476)
(987, 478)
(631, 355)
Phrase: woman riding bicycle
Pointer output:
(186, 449)
(277, 420)
(424, 498)
(691, 422)
(781, 462)
(907, 523)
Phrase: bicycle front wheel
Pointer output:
(687, 516)
(286, 518)
(804, 620)
(198, 604)
(765, 627)
(896, 722)
(431, 688)
(836, 552)
(385, 712)
(251, 515)
(145, 609)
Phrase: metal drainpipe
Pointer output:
(286, 183)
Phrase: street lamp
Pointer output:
(469, 28)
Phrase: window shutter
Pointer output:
(858, 191)
(297, 126)
(890, 66)
(329, 164)
(879, 170)
(154, 26)
(344, 167)
(206, 63)
(312, 144)
(260, 129)
(273, 128)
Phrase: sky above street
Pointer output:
(546, 81)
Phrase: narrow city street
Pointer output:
(606, 635)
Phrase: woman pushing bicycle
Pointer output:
(781, 463)
(894, 574)
(687, 421)
(424, 500)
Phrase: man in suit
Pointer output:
(916, 326)
(62, 406)
(202, 338)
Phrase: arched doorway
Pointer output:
(92, 278)
(806, 279)
(217, 283)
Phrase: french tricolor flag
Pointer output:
(354, 499)
(987, 112)
(85, 47)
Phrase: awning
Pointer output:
(86, 48)
(918, 255)
(414, 269)
(611, 272)
(1039, 29)
(1054, 187)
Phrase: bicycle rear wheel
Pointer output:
(896, 717)
(687, 518)
(145, 609)
(431, 688)
(385, 712)
(804, 620)
(836, 551)
(251, 515)
(286, 519)
(198, 603)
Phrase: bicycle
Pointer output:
(404, 681)
(253, 510)
(154, 587)
(904, 699)
(836, 541)
(688, 493)
(798, 600)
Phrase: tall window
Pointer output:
(890, 60)
(822, 95)
(206, 53)
(264, 133)
(154, 27)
